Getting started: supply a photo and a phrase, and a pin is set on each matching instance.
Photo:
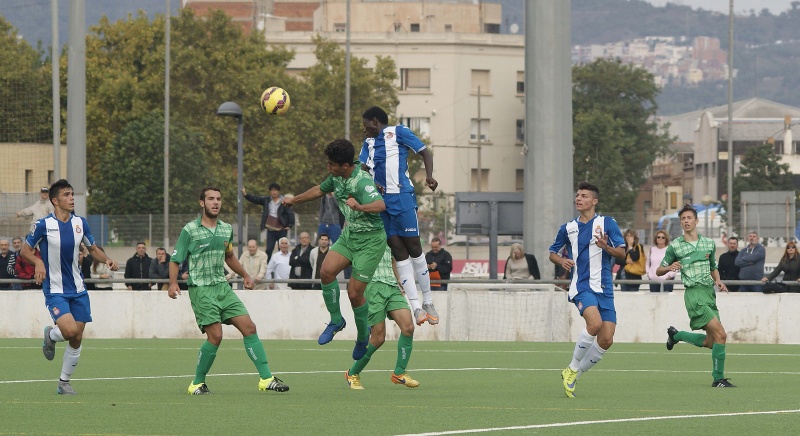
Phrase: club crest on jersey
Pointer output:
(580, 305)
(77, 229)
(56, 312)
(388, 135)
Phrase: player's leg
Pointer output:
(70, 313)
(700, 303)
(207, 317)
(420, 265)
(255, 351)
(376, 338)
(73, 332)
(405, 344)
(368, 250)
(334, 263)
(717, 338)
(605, 338)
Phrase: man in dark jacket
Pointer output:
(138, 267)
(159, 267)
(440, 263)
(276, 218)
(726, 265)
(301, 262)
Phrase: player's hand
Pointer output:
(112, 264)
(431, 183)
(676, 266)
(248, 283)
(40, 272)
(381, 188)
(567, 264)
(721, 287)
(352, 203)
(174, 291)
(288, 201)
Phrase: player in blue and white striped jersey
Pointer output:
(592, 242)
(385, 155)
(59, 237)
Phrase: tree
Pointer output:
(761, 170)
(615, 136)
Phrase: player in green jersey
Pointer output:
(206, 243)
(694, 256)
(386, 300)
(361, 243)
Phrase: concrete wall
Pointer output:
(467, 314)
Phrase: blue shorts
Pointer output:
(76, 304)
(400, 216)
(603, 303)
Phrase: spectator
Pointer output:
(183, 274)
(159, 268)
(278, 267)
(331, 219)
(100, 270)
(300, 262)
(5, 256)
(520, 265)
(41, 208)
(440, 264)
(255, 263)
(727, 263)
(16, 246)
(635, 260)
(86, 266)
(317, 256)
(276, 218)
(789, 265)
(751, 262)
(138, 267)
(657, 251)
(25, 270)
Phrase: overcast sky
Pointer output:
(774, 6)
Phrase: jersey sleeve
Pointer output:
(406, 137)
(88, 239)
(712, 259)
(669, 257)
(327, 185)
(181, 250)
(366, 192)
(364, 154)
(615, 238)
(38, 232)
(560, 240)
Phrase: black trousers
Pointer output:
(272, 238)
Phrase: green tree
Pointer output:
(615, 136)
(24, 90)
(761, 170)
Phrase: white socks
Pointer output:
(582, 345)
(423, 279)
(406, 271)
(55, 334)
(592, 357)
(71, 356)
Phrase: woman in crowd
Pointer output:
(634, 266)
(521, 266)
(657, 251)
(789, 265)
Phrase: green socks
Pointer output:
(205, 359)
(255, 351)
(718, 357)
(361, 315)
(361, 363)
(330, 293)
(695, 339)
(404, 346)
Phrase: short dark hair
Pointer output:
(340, 151)
(436, 240)
(734, 238)
(57, 187)
(206, 189)
(323, 234)
(274, 186)
(586, 186)
(376, 112)
(161, 249)
(687, 208)
(141, 243)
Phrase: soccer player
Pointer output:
(361, 243)
(591, 240)
(386, 300)
(385, 155)
(206, 243)
(694, 256)
(59, 236)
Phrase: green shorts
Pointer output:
(382, 299)
(215, 303)
(701, 305)
(363, 249)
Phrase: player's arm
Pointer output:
(366, 198)
(312, 194)
(612, 242)
(235, 266)
(427, 159)
(718, 281)
(668, 263)
(179, 254)
(28, 254)
(558, 243)
(102, 257)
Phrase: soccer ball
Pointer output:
(275, 101)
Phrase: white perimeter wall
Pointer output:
(477, 315)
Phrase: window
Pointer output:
(473, 130)
(698, 171)
(28, 180)
(415, 79)
(473, 179)
(480, 78)
(418, 125)
(339, 27)
(673, 200)
(414, 27)
(713, 169)
(50, 180)
(448, 28)
(520, 180)
(520, 82)
(520, 131)
(491, 28)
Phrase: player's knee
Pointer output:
(215, 338)
(605, 343)
(327, 276)
(407, 329)
(721, 337)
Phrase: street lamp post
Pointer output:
(231, 109)
(707, 202)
